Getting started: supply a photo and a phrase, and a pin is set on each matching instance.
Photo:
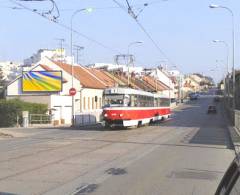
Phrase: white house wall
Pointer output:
(89, 96)
(61, 108)
(90, 110)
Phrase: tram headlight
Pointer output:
(121, 115)
(105, 115)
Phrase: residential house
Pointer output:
(59, 103)
(190, 85)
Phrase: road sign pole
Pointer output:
(72, 92)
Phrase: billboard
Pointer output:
(42, 81)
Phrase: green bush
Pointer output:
(10, 109)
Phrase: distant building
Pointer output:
(10, 70)
(115, 67)
(54, 54)
(190, 85)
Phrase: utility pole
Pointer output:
(78, 48)
(128, 59)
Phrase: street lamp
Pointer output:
(233, 46)
(128, 54)
(133, 43)
(71, 39)
(214, 74)
(214, 6)
(227, 48)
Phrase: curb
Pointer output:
(180, 104)
(233, 133)
(235, 138)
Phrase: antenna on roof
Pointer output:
(78, 48)
(61, 41)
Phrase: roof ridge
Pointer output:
(61, 65)
(20, 75)
(112, 77)
(85, 69)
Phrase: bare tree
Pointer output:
(2, 83)
(2, 80)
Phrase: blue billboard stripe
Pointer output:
(51, 74)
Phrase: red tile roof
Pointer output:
(47, 68)
(101, 79)
(105, 78)
(152, 82)
(84, 75)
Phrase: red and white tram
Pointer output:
(128, 107)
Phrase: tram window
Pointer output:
(126, 100)
(142, 101)
(150, 101)
(138, 101)
(155, 102)
(113, 100)
(132, 101)
(147, 101)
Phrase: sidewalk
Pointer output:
(233, 132)
(235, 137)
(174, 106)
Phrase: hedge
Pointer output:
(10, 109)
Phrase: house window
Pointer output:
(88, 103)
(100, 102)
(84, 103)
(96, 103)
(93, 103)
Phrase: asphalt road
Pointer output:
(186, 155)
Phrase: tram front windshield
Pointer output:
(116, 100)
(164, 102)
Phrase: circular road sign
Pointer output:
(72, 91)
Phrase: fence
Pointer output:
(237, 119)
(40, 119)
(234, 116)
(88, 118)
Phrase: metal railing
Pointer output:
(237, 119)
(40, 119)
(88, 118)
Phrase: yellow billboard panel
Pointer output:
(42, 81)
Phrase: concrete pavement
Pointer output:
(186, 155)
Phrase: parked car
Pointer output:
(216, 99)
(212, 109)
(193, 96)
(230, 184)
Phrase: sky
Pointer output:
(182, 29)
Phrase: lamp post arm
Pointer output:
(72, 70)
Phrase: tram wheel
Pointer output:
(139, 124)
(107, 125)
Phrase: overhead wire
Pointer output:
(54, 7)
(65, 26)
(130, 12)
